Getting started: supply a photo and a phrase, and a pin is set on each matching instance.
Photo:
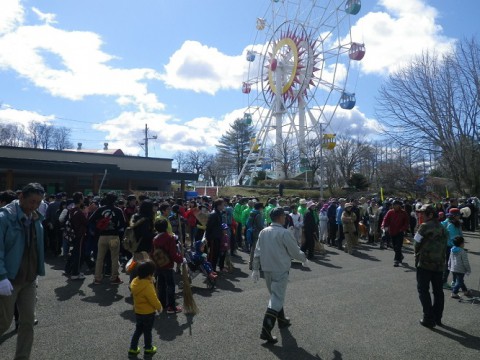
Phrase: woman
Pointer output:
(191, 218)
(349, 230)
(144, 230)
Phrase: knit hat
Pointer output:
(311, 203)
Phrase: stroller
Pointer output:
(194, 270)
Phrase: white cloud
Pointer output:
(9, 115)
(11, 15)
(48, 18)
(201, 68)
(400, 31)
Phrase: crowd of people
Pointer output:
(88, 231)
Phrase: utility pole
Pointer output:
(145, 140)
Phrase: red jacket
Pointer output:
(396, 221)
(168, 243)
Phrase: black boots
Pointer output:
(283, 321)
(268, 324)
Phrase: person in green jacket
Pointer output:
(302, 208)
(272, 204)
(245, 215)
(240, 206)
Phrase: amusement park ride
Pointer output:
(298, 76)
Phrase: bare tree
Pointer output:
(434, 103)
(287, 156)
(12, 135)
(348, 154)
(180, 158)
(196, 162)
(61, 138)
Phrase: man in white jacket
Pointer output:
(275, 249)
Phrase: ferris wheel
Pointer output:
(298, 75)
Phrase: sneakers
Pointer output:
(395, 263)
(116, 281)
(135, 351)
(211, 276)
(150, 351)
(455, 296)
(97, 282)
(80, 276)
(173, 310)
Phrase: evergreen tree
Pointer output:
(235, 145)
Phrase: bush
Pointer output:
(289, 184)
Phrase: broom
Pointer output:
(189, 306)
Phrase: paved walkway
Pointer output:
(342, 307)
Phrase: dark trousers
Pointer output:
(397, 242)
(165, 287)
(446, 272)
(76, 259)
(340, 237)
(238, 235)
(332, 232)
(309, 246)
(424, 278)
(213, 252)
(144, 325)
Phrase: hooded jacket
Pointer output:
(145, 299)
(12, 240)
(458, 261)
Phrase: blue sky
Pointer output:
(106, 68)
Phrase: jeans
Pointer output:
(144, 325)
(458, 282)
(341, 236)
(165, 287)
(332, 232)
(24, 296)
(397, 242)
(424, 278)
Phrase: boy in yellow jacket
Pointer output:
(145, 303)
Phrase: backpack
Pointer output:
(160, 257)
(130, 241)
(68, 231)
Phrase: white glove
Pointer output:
(305, 263)
(184, 261)
(255, 275)
(6, 287)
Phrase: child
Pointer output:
(164, 255)
(459, 266)
(200, 258)
(225, 251)
(145, 302)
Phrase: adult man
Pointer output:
(396, 222)
(130, 208)
(310, 230)
(430, 243)
(214, 232)
(52, 229)
(109, 223)
(240, 206)
(331, 222)
(78, 222)
(275, 249)
(255, 224)
(21, 261)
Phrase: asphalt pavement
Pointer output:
(341, 307)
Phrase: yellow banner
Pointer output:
(381, 194)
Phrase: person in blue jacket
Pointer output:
(21, 261)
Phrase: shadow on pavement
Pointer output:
(290, 348)
(71, 288)
(169, 329)
(105, 295)
(359, 253)
(463, 338)
(408, 267)
(7, 335)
